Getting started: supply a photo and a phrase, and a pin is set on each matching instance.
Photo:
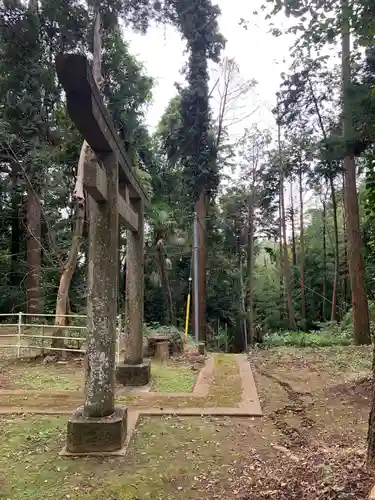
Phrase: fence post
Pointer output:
(19, 334)
(42, 329)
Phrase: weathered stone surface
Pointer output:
(134, 298)
(201, 348)
(102, 297)
(88, 435)
(162, 350)
(134, 375)
(153, 340)
(175, 341)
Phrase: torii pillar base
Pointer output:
(134, 375)
(96, 436)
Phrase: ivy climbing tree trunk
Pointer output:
(201, 211)
(199, 26)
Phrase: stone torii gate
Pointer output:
(100, 426)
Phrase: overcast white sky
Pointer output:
(259, 55)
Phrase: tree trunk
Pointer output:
(324, 236)
(165, 280)
(345, 265)
(361, 328)
(34, 303)
(302, 252)
(334, 206)
(344, 271)
(281, 267)
(371, 427)
(250, 268)
(294, 249)
(201, 211)
(286, 264)
(337, 251)
(33, 216)
(86, 155)
(62, 299)
(242, 296)
(15, 230)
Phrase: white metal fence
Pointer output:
(30, 332)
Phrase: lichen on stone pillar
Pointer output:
(133, 352)
(102, 297)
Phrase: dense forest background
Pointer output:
(290, 213)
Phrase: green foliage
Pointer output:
(306, 339)
(222, 341)
(369, 202)
(169, 331)
(346, 323)
(329, 334)
(199, 26)
(183, 159)
(40, 146)
(127, 88)
(185, 130)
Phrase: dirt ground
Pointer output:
(316, 404)
(310, 444)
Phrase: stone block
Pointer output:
(134, 375)
(162, 351)
(201, 348)
(96, 435)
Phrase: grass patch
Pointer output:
(166, 455)
(225, 389)
(195, 458)
(172, 378)
(34, 375)
(47, 377)
(166, 377)
(42, 401)
(352, 359)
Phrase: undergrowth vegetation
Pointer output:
(329, 334)
(324, 338)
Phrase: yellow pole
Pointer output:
(187, 311)
(187, 317)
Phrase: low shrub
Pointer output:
(323, 338)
